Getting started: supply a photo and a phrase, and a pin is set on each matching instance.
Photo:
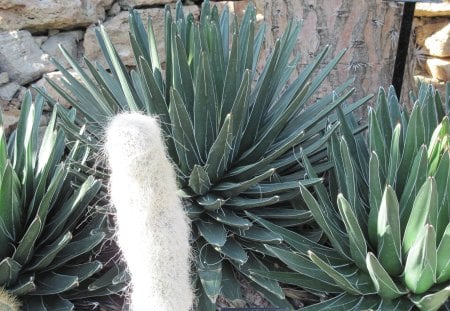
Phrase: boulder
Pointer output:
(50, 14)
(69, 40)
(138, 3)
(21, 57)
(439, 68)
(118, 29)
(434, 38)
(432, 9)
(7, 91)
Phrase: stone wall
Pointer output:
(431, 55)
(30, 31)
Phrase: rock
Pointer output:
(10, 118)
(50, 14)
(138, 3)
(8, 91)
(121, 40)
(69, 40)
(4, 78)
(114, 10)
(434, 38)
(432, 9)
(439, 68)
(56, 77)
(21, 57)
(40, 39)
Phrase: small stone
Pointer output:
(434, 38)
(4, 78)
(7, 91)
(40, 39)
(10, 118)
(439, 68)
(114, 10)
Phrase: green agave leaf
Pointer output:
(23, 286)
(34, 303)
(209, 270)
(204, 303)
(234, 251)
(383, 283)
(214, 233)
(358, 246)
(443, 257)
(211, 202)
(424, 211)
(339, 278)
(254, 263)
(205, 119)
(44, 256)
(25, 248)
(199, 180)
(82, 271)
(9, 271)
(58, 303)
(377, 142)
(218, 155)
(432, 302)
(375, 196)
(183, 133)
(104, 281)
(421, 263)
(10, 211)
(229, 189)
(243, 203)
(298, 279)
(346, 302)
(415, 180)
(337, 238)
(300, 243)
(443, 190)
(50, 283)
(394, 156)
(230, 218)
(283, 213)
(388, 230)
(231, 288)
(259, 234)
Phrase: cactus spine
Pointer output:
(8, 302)
(153, 229)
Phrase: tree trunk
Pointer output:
(367, 29)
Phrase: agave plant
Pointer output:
(50, 234)
(232, 131)
(388, 228)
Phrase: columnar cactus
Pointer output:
(153, 230)
(8, 302)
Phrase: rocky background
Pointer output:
(30, 31)
(432, 42)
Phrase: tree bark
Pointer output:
(367, 29)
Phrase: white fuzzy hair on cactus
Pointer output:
(153, 229)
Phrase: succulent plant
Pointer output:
(51, 233)
(234, 132)
(386, 214)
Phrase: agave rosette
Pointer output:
(388, 228)
(51, 234)
(233, 133)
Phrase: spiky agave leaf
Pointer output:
(50, 234)
(235, 133)
(386, 247)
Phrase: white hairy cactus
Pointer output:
(153, 229)
(8, 302)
